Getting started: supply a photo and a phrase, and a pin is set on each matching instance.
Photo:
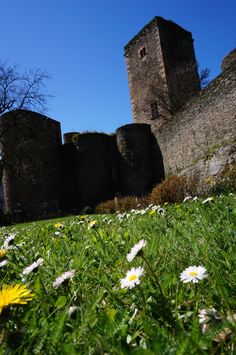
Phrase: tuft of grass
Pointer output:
(108, 319)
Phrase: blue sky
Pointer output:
(80, 44)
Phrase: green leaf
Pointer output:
(68, 349)
(61, 302)
(111, 313)
(37, 284)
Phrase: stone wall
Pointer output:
(30, 143)
(95, 165)
(200, 131)
(137, 160)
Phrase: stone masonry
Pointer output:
(178, 129)
(162, 71)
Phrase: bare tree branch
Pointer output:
(204, 77)
(22, 91)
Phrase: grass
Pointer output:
(111, 320)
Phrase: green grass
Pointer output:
(111, 320)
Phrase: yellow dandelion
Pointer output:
(14, 294)
(3, 253)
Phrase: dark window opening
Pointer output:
(154, 110)
(142, 52)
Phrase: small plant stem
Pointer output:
(154, 276)
(195, 297)
(45, 290)
(144, 300)
(20, 250)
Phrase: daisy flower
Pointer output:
(3, 263)
(193, 274)
(58, 225)
(187, 198)
(32, 267)
(155, 207)
(68, 275)
(72, 310)
(92, 224)
(136, 249)
(209, 199)
(9, 240)
(207, 317)
(14, 294)
(132, 278)
(161, 211)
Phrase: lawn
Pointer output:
(80, 294)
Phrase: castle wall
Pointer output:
(31, 167)
(136, 153)
(95, 166)
(68, 197)
(206, 123)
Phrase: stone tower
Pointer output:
(30, 143)
(162, 71)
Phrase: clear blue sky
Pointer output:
(80, 43)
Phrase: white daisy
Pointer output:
(232, 318)
(132, 278)
(156, 207)
(207, 317)
(68, 275)
(92, 224)
(161, 211)
(187, 198)
(193, 274)
(3, 263)
(136, 249)
(32, 267)
(72, 310)
(9, 240)
(209, 199)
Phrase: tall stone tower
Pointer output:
(162, 71)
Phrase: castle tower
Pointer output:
(30, 143)
(162, 71)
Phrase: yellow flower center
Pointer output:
(193, 273)
(133, 277)
(3, 253)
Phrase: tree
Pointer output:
(22, 91)
(204, 77)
